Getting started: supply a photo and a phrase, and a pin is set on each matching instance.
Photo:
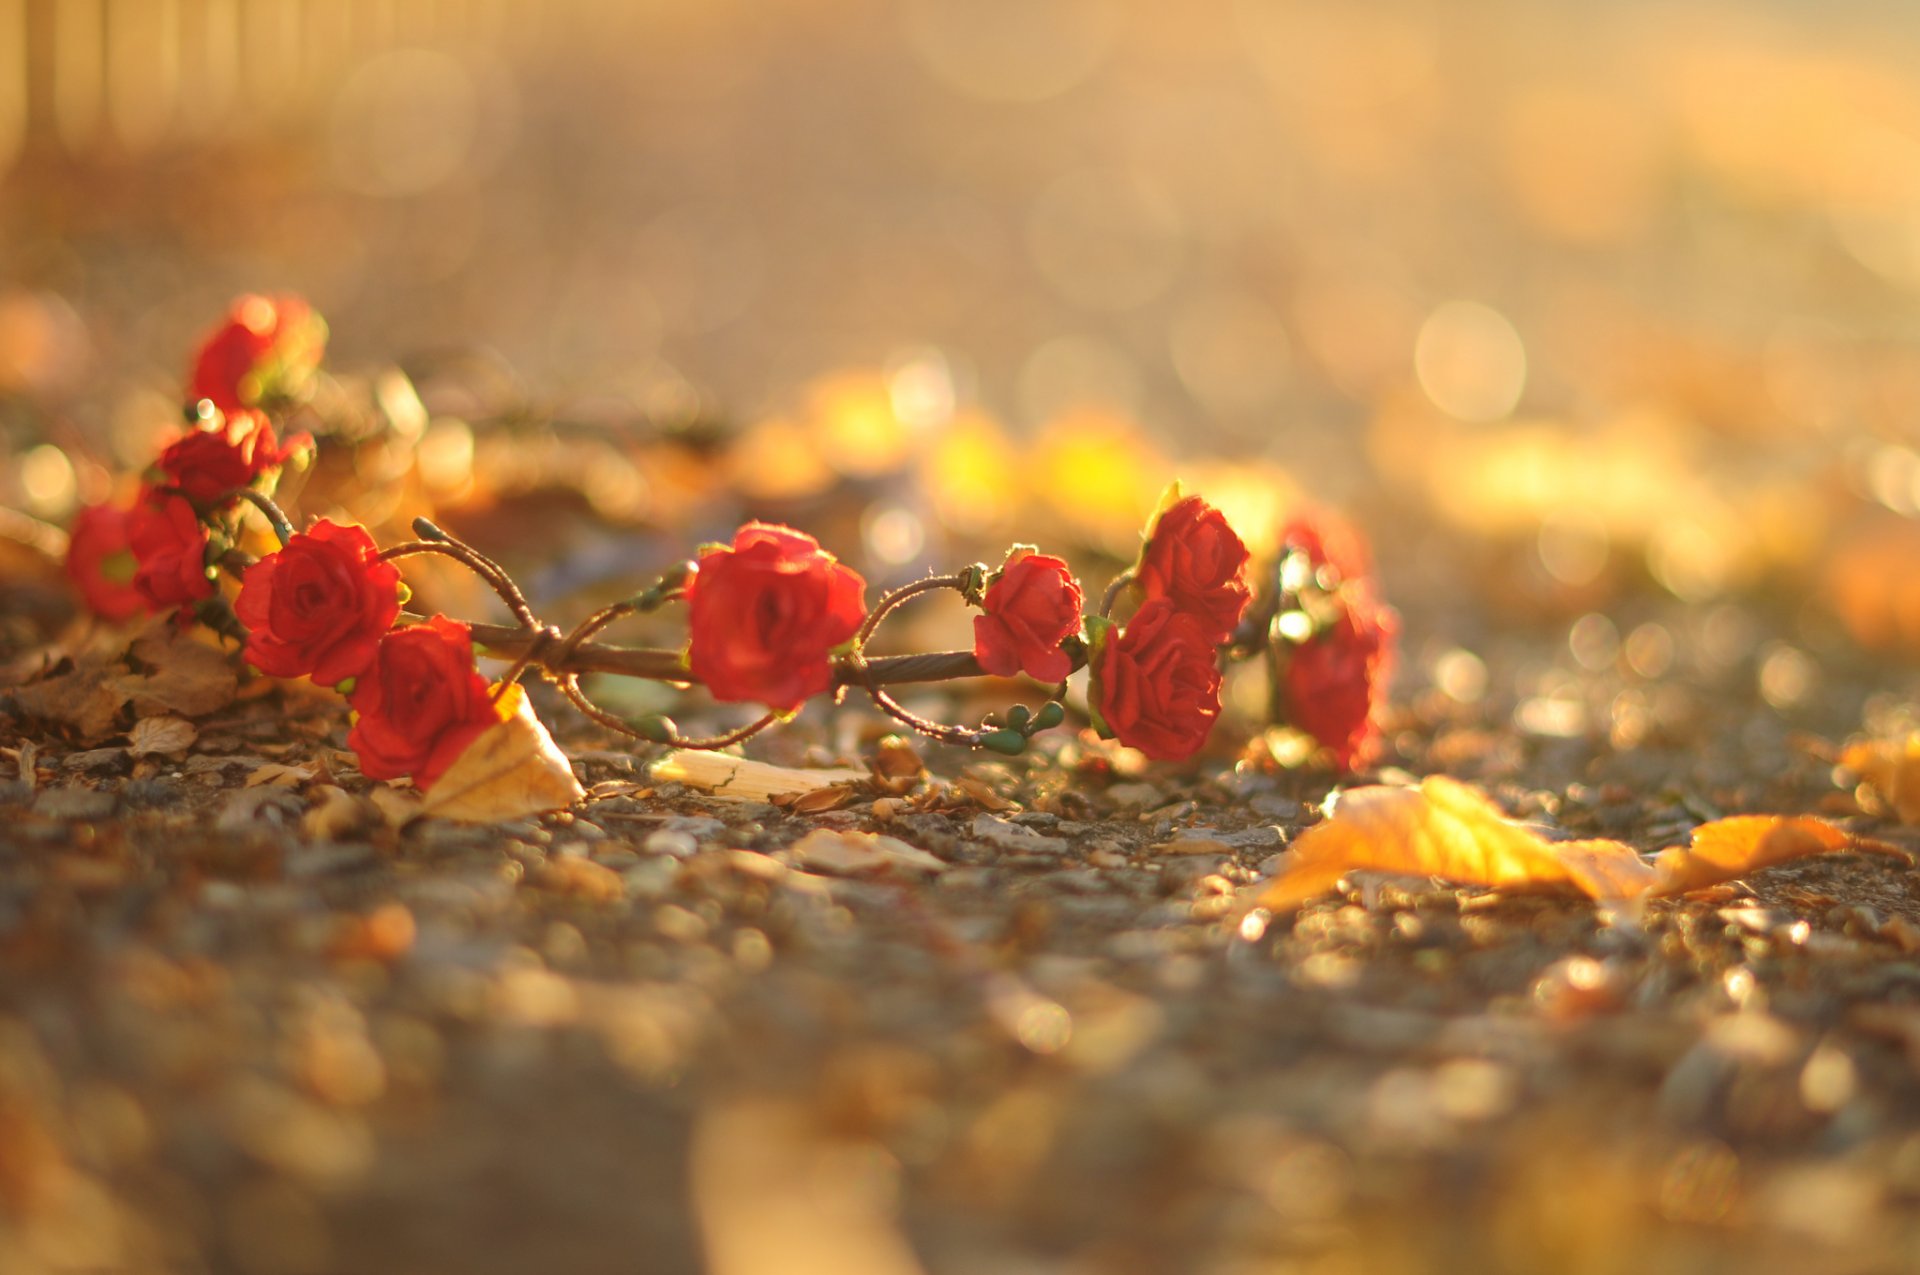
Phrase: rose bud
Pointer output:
(765, 613)
(169, 551)
(215, 457)
(1336, 679)
(1194, 560)
(420, 703)
(319, 606)
(101, 564)
(1329, 541)
(1156, 683)
(1031, 606)
(266, 346)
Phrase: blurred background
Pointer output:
(1574, 306)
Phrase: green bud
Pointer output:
(425, 529)
(656, 728)
(1010, 742)
(1051, 714)
(345, 685)
(1018, 716)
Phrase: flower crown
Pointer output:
(773, 619)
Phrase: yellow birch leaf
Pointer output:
(1730, 848)
(1442, 828)
(513, 769)
(1891, 768)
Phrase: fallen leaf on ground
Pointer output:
(1891, 768)
(513, 769)
(188, 678)
(744, 780)
(820, 800)
(1445, 829)
(161, 737)
(1442, 828)
(1729, 848)
(861, 853)
(84, 700)
(280, 775)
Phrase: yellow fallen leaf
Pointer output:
(744, 780)
(279, 775)
(513, 769)
(1729, 848)
(1891, 767)
(1444, 828)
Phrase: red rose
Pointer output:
(318, 607)
(217, 456)
(420, 703)
(1330, 541)
(1156, 683)
(100, 562)
(266, 345)
(1032, 606)
(1194, 559)
(765, 613)
(169, 551)
(1337, 677)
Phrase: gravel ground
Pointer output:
(257, 1029)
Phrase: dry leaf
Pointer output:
(282, 776)
(820, 800)
(1891, 767)
(849, 854)
(188, 677)
(513, 769)
(984, 796)
(397, 808)
(337, 814)
(85, 700)
(161, 737)
(897, 768)
(744, 780)
(1444, 828)
(1729, 848)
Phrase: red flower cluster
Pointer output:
(1336, 679)
(170, 549)
(765, 613)
(1032, 605)
(101, 564)
(1193, 559)
(1156, 683)
(266, 346)
(318, 607)
(223, 453)
(420, 703)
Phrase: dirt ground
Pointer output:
(642, 1036)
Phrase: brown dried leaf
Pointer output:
(161, 737)
(282, 776)
(984, 796)
(820, 800)
(188, 678)
(743, 780)
(849, 854)
(84, 700)
(897, 768)
(1442, 828)
(1730, 848)
(513, 769)
(1891, 768)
